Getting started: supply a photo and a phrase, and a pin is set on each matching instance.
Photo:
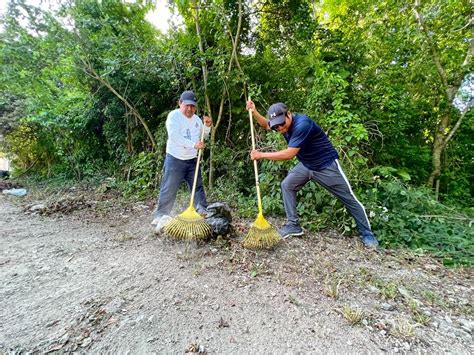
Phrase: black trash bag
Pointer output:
(219, 218)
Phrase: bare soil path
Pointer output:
(94, 278)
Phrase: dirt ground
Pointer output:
(83, 272)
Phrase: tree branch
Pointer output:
(203, 59)
(89, 70)
(434, 51)
(466, 63)
(454, 129)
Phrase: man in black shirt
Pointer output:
(318, 161)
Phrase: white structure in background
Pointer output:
(4, 164)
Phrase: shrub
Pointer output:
(403, 216)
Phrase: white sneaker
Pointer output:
(162, 222)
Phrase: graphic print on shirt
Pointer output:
(188, 134)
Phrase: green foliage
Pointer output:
(457, 181)
(395, 83)
(329, 100)
(272, 173)
(404, 216)
(23, 145)
(141, 180)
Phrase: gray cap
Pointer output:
(188, 98)
(277, 114)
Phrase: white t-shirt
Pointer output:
(183, 134)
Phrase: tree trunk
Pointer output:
(223, 96)
(443, 132)
(436, 157)
(204, 71)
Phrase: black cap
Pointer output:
(188, 98)
(277, 114)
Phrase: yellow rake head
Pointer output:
(188, 225)
(261, 235)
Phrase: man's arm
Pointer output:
(285, 154)
(207, 124)
(262, 121)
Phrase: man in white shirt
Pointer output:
(184, 129)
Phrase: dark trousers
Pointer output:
(175, 171)
(332, 179)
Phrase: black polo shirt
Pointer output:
(316, 151)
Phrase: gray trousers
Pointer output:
(332, 179)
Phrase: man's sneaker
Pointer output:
(159, 219)
(156, 220)
(369, 240)
(164, 220)
(290, 230)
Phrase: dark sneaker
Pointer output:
(290, 230)
(369, 240)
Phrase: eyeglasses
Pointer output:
(277, 126)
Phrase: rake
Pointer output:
(189, 225)
(262, 235)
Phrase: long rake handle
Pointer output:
(196, 172)
(255, 168)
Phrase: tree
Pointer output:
(412, 61)
(451, 84)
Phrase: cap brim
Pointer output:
(277, 120)
(189, 102)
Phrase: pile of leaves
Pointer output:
(63, 205)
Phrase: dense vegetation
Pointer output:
(86, 89)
